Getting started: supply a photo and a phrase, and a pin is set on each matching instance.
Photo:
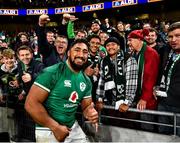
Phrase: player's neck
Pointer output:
(69, 65)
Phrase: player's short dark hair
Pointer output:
(79, 41)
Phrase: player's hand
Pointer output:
(61, 132)
(91, 114)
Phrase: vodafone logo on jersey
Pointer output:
(74, 97)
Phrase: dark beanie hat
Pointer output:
(139, 34)
(95, 21)
(111, 39)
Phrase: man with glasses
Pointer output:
(61, 44)
(46, 41)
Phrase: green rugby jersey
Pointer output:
(66, 90)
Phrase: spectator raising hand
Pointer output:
(43, 19)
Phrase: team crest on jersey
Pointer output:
(74, 97)
(82, 86)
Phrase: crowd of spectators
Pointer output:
(119, 64)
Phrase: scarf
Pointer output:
(140, 69)
(24, 67)
(165, 80)
(94, 60)
(114, 77)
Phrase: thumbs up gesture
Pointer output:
(26, 77)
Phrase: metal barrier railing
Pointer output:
(146, 111)
(154, 112)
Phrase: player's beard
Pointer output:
(75, 66)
